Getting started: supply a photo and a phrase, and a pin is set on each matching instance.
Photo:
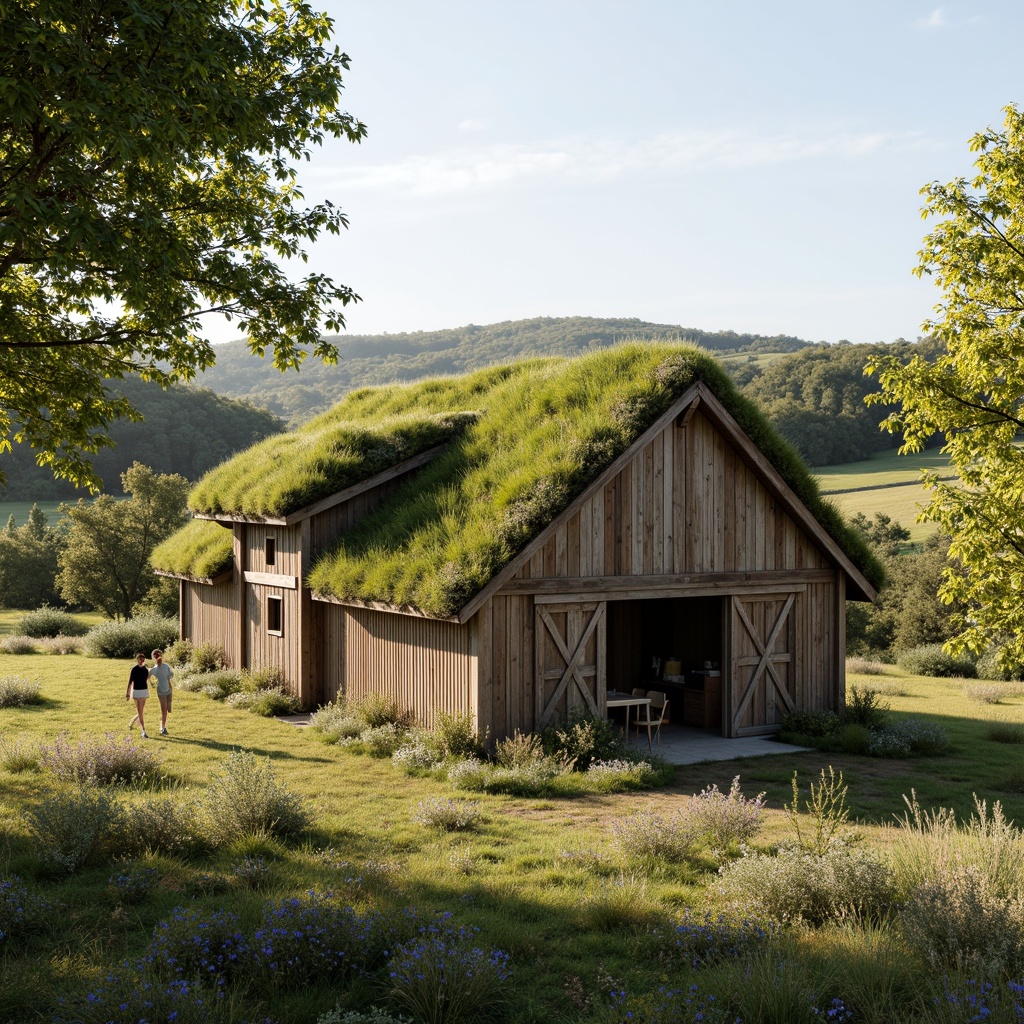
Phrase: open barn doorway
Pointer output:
(675, 645)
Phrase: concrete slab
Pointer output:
(682, 744)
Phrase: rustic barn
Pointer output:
(518, 542)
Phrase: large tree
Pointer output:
(973, 393)
(147, 178)
(105, 562)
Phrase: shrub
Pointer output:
(705, 942)
(455, 734)
(993, 665)
(208, 657)
(197, 943)
(17, 645)
(124, 639)
(647, 836)
(826, 808)
(245, 799)
(984, 693)
(336, 721)
(447, 814)
(443, 977)
(889, 743)
(469, 774)
(865, 667)
(863, 707)
(179, 654)
(377, 709)
(958, 923)
(811, 723)
(267, 702)
(61, 644)
(524, 780)
(382, 740)
(375, 1015)
(1006, 732)
(16, 692)
(102, 761)
(854, 739)
(47, 621)
(218, 685)
(719, 819)
(168, 824)
(18, 755)
(583, 739)
(519, 749)
(932, 660)
(921, 736)
(71, 825)
(415, 752)
(270, 677)
(799, 885)
(133, 883)
(22, 910)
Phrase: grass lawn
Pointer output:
(10, 617)
(21, 509)
(543, 879)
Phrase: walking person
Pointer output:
(163, 674)
(138, 690)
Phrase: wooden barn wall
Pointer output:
(505, 627)
(268, 650)
(426, 665)
(208, 615)
(288, 553)
(816, 679)
(686, 503)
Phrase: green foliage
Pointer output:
(18, 645)
(865, 707)
(245, 799)
(16, 692)
(934, 660)
(455, 734)
(378, 709)
(827, 810)
(375, 1015)
(197, 170)
(200, 549)
(97, 760)
(446, 814)
(72, 825)
(583, 740)
(28, 562)
(811, 723)
(167, 823)
(266, 701)
(124, 639)
(854, 739)
(106, 560)
(47, 621)
(972, 393)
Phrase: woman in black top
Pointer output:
(138, 690)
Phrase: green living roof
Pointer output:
(542, 431)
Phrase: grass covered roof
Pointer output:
(543, 430)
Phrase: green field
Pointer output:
(541, 878)
(887, 482)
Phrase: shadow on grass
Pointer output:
(228, 747)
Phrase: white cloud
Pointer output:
(937, 19)
(469, 126)
(582, 159)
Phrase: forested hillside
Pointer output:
(186, 430)
(382, 359)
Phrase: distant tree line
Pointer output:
(186, 431)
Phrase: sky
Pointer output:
(724, 165)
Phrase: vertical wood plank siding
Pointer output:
(209, 614)
(423, 663)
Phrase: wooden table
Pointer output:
(616, 699)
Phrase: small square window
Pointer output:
(275, 616)
(270, 550)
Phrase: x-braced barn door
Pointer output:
(570, 659)
(763, 645)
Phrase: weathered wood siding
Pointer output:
(209, 614)
(328, 526)
(686, 503)
(425, 664)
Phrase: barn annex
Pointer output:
(518, 541)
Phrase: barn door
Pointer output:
(763, 645)
(570, 666)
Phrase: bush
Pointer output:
(854, 739)
(583, 739)
(647, 836)
(447, 814)
(267, 702)
(18, 755)
(719, 819)
(455, 734)
(702, 943)
(47, 621)
(22, 910)
(218, 685)
(17, 645)
(984, 693)
(923, 737)
(168, 824)
(1006, 732)
(179, 654)
(133, 883)
(16, 692)
(72, 825)
(443, 977)
(958, 923)
(798, 885)
(865, 667)
(99, 761)
(377, 709)
(415, 752)
(811, 723)
(382, 740)
(124, 639)
(992, 665)
(336, 721)
(889, 744)
(375, 1015)
(932, 660)
(61, 644)
(245, 799)
(208, 657)
(270, 677)
(519, 749)
(863, 707)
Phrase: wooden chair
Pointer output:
(655, 715)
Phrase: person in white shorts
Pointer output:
(163, 674)
(138, 690)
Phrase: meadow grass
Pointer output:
(10, 617)
(21, 509)
(543, 879)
